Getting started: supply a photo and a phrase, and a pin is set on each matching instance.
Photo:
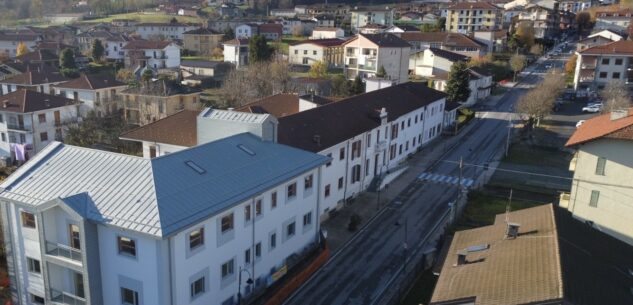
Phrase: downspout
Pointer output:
(346, 172)
(171, 279)
(318, 208)
(252, 207)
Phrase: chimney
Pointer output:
(317, 139)
(461, 258)
(230, 109)
(5, 104)
(383, 116)
(513, 230)
(619, 114)
(47, 103)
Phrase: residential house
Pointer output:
(495, 41)
(307, 52)
(373, 28)
(600, 64)
(327, 33)
(152, 54)
(324, 21)
(31, 120)
(454, 42)
(401, 29)
(592, 42)
(246, 30)
(574, 6)
(271, 31)
(544, 20)
(9, 42)
(617, 21)
(450, 115)
(364, 16)
(608, 34)
(602, 167)
(39, 58)
(98, 93)
(202, 41)
(434, 62)
(468, 17)
(366, 136)
(171, 30)
(291, 26)
(479, 83)
(95, 227)
(188, 12)
(229, 10)
(366, 53)
(86, 40)
(283, 12)
(539, 255)
(411, 17)
(157, 100)
(10, 69)
(40, 79)
(203, 73)
(236, 52)
(53, 47)
(113, 46)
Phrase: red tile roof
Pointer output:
(473, 5)
(177, 129)
(329, 42)
(146, 44)
(25, 101)
(603, 127)
(619, 47)
(91, 82)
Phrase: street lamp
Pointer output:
(239, 284)
(404, 243)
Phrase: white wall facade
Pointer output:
(168, 31)
(236, 54)
(114, 50)
(102, 101)
(305, 54)
(245, 31)
(327, 34)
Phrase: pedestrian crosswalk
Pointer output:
(438, 178)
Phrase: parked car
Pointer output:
(593, 108)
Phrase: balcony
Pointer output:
(132, 105)
(60, 250)
(18, 127)
(588, 65)
(62, 297)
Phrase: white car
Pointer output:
(593, 108)
(580, 123)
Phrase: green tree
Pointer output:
(357, 86)
(147, 76)
(441, 23)
(340, 86)
(67, 59)
(458, 85)
(517, 63)
(525, 34)
(426, 28)
(228, 33)
(381, 72)
(583, 21)
(318, 69)
(97, 50)
(258, 49)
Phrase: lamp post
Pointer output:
(239, 284)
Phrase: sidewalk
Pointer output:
(366, 205)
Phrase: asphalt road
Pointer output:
(363, 268)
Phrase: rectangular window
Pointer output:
(615, 75)
(292, 190)
(392, 152)
(341, 154)
(330, 161)
(327, 191)
(196, 238)
(273, 200)
(595, 195)
(247, 213)
(307, 182)
(28, 220)
(36, 299)
(247, 256)
(402, 125)
(602, 75)
(197, 287)
(368, 140)
(258, 207)
(356, 147)
(258, 250)
(44, 136)
(273, 241)
(409, 122)
(394, 131)
(600, 166)
(290, 230)
(127, 246)
(307, 219)
(355, 173)
(340, 183)
(33, 265)
(129, 296)
(605, 61)
(4, 137)
(228, 268)
(227, 223)
(618, 61)
(41, 118)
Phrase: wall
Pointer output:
(161, 148)
(308, 52)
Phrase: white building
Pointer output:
(362, 17)
(172, 30)
(618, 21)
(9, 42)
(85, 226)
(153, 54)
(327, 33)
(454, 42)
(31, 120)
(602, 168)
(434, 62)
(236, 52)
(40, 80)
(98, 93)
(247, 30)
(544, 19)
(114, 47)
(307, 52)
(366, 53)
(595, 66)
(480, 84)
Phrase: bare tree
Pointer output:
(616, 96)
(539, 101)
(517, 63)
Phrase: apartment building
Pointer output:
(246, 30)
(468, 17)
(574, 6)
(366, 53)
(601, 167)
(152, 54)
(31, 120)
(236, 51)
(85, 226)
(434, 62)
(307, 52)
(544, 20)
(618, 21)
(85, 40)
(600, 64)
(202, 41)
(271, 31)
(40, 79)
(327, 33)
(454, 42)
(479, 83)
(98, 93)
(171, 30)
(363, 16)
(114, 47)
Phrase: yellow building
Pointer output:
(468, 17)
(202, 41)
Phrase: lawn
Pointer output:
(538, 156)
(147, 17)
(482, 209)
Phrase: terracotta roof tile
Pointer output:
(279, 105)
(91, 82)
(473, 5)
(177, 129)
(447, 39)
(25, 101)
(603, 127)
(328, 42)
(146, 45)
(618, 47)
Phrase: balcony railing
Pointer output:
(18, 127)
(62, 297)
(56, 249)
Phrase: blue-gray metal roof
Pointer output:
(159, 196)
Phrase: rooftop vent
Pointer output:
(512, 230)
(478, 248)
(246, 149)
(195, 167)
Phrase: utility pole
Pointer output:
(459, 187)
(509, 130)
